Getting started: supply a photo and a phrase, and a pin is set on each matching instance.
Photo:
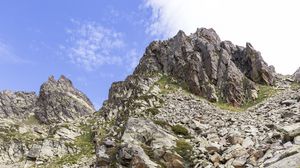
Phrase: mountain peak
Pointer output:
(59, 101)
(215, 69)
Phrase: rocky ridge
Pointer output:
(193, 101)
(209, 67)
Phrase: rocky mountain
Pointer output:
(16, 104)
(193, 101)
(59, 101)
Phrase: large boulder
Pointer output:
(16, 104)
(59, 101)
(296, 75)
(210, 67)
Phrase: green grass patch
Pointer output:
(31, 120)
(168, 84)
(83, 143)
(263, 93)
(295, 86)
(162, 123)
(154, 111)
(180, 130)
(184, 149)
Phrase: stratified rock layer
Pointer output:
(210, 67)
(59, 101)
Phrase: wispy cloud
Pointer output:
(91, 45)
(8, 56)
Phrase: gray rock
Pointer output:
(16, 104)
(59, 101)
(34, 152)
(297, 140)
(206, 64)
(109, 142)
(291, 130)
(288, 102)
(296, 75)
(288, 162)
(145, 131)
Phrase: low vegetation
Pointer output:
(180, 130)
(184, 149)
(162, 123)
(263, 93)
(154, 111)
(295, 86)
(168, 84)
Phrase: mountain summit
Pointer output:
(193, 101)
(217, 70)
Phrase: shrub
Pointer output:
(153, 111)
(184, 149)
(161, 123)
(180, 130)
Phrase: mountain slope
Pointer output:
(193, 101)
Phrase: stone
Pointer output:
(66, 133)
(239, 162)
(288, 162)
(247, 143)
(16, 104)
(296, 75)
(215, 158)
(145, 131)
(234, 139)
(109, 142)
(291, 130)
(234, 151)
(59, 101)
(288, 102)
(297, 140)
(213, 147)
(34, 152)
(134, 155)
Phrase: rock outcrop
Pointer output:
(59, 101)
(16, 104)
(209, 67)
(296, 75)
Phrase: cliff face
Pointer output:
(215, 69)
(59, 101)
(16, 104)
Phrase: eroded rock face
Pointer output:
(296, 75)
(16, 104)
(210, 67)
(60, 101)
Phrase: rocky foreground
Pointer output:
(193, 101)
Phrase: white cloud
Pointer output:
(91, 45)
(8, 56)
(272, 26)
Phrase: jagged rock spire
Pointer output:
(60, 101)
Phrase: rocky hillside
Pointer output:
(193, 101)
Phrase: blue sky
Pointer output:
(97, 42)
(94, 43)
